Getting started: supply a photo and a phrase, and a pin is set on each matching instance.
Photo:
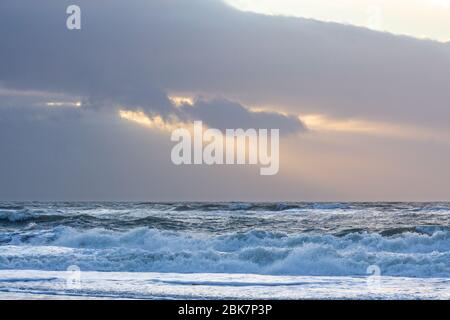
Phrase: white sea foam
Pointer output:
(142, 249)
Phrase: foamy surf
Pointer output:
(408, 254)
(226, 250)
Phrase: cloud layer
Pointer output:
(135, 54)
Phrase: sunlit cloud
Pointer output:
(75, 104)
(322, 123)
(179, 101)
(155, 122)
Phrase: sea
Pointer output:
(190, 250)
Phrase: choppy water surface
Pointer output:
(405, 240)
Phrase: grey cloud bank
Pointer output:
(132, 54)
(110, 63)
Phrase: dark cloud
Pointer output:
(113, 61)
(134, 53)
(223, 114)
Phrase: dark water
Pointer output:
(332, 218)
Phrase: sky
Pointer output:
(426, 19)
(363, 108)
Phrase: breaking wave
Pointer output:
(422, 253)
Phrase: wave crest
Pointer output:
(261, 252)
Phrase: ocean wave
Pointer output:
(304, 206)
(256, 207)
(16, 215)
(409, 254)
(328, 239)
(221, 218)
(234, 206)
(40, 216)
